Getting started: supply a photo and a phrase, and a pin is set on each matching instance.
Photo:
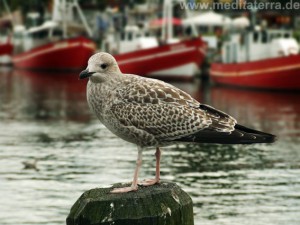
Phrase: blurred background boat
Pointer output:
(259, 58)
(6, 46)
(181, 60)
(212, 25)
(52, 44)
(139, 51)
(6, 50)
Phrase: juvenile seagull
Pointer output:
(152, 113)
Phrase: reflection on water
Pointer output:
(42, 96)
(45, 116)
(269, 111)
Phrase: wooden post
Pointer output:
(160, 204)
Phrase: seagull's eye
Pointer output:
(103, 66)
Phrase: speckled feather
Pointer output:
(150, 112)
(164, 110)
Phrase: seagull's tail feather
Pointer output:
(241, 135)
(260, 137)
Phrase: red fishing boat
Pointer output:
(170, 56)
(6, 50)
(72, 53)
(180, 60)
(264, 59)
(6, 46)
(57, 44)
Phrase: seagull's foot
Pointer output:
(123, 190)
(149, 182)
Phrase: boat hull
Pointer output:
(275, 73)
(181, 60)
(69, 54)
(6, 50)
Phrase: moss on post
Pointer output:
(161, 204)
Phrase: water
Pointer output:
(45, 116)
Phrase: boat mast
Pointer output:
(63, 10)
(167, 29)
(193, 25)
(169, 20)
(8, 11)
(64, 23)
(163, 26)
(83, 19)
(59, 14)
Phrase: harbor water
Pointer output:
(45, 116)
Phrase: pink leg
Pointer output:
(157, 171)
(134, 185)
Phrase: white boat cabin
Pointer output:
(26, 39)
(132, 39)
(67, 21)
(258, 45)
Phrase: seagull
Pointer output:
(151, 113)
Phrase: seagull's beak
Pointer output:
(85, 74)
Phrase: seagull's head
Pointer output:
(100, 67)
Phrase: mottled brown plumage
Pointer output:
(152, 113)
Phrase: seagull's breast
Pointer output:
(99, 97)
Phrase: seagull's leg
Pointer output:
(134, 185)
(157, 171)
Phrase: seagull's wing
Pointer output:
(225, 130)
(141, 90)
(165, 111)
(164, 121)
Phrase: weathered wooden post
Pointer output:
(161, 204)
